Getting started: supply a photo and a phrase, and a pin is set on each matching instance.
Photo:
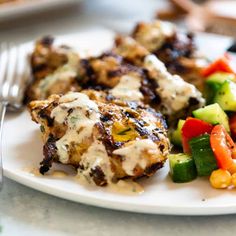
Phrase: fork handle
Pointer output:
(3, 106)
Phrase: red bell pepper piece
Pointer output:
(232, 125)
(222, 64)
(193, 127)
(223, 147)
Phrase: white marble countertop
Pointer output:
(26, 212)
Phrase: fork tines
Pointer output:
(13, 68)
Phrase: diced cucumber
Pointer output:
(182, 168)
(226, 96)
(220, 78)
(214, 82)
(176, 138)
(203, 156)
(212, 114)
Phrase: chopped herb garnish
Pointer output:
(73, 119)
(42, 128)
(123, 132)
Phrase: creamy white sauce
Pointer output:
(33, 171)
(128, 88)
(172, 89)
(63, 73)
(96, 155)
(59, 174)
(80, 121)
(150, 122)
(126, 187)
(133, 154)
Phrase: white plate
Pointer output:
(23, 151)
(13, 9)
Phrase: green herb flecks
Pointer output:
(42, 128)
(73, 119)
(123, 132)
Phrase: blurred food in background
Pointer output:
(214, 16)
(4, 1)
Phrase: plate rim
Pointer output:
(134, 207)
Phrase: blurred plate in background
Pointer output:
(16, 8)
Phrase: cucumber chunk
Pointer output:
(182, 168)
(226, 96)
(203, 156)
(219, 78)
(214, 82)
(213, 114)
(176, 137)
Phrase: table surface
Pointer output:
(24, 211)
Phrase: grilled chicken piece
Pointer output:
(178, 98)
(103, 71)
(54, 70)
(68, 73)
(120, 79)
(104, 141)
(176, 49)
(123, 74)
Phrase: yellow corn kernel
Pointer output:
(220, 178)
(234, 179)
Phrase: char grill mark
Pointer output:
(106, 117)
(193, 101)
(89, 72)
(173, 49)
(145, 133)
(111, 54)
(44, 115)
(148, 90)
(106, 138)
(50, 155)
(39, 67)
(47, 40)
(125, 68)
(149, 171)
(98, 176)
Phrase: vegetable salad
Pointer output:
(208, 137)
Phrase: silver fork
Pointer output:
(13, 77)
